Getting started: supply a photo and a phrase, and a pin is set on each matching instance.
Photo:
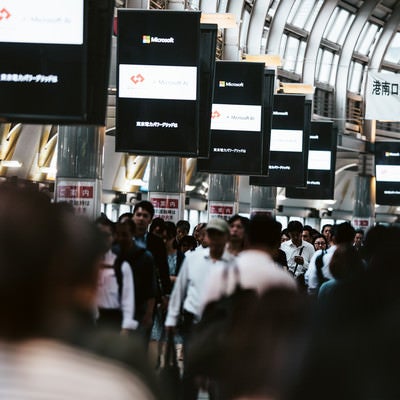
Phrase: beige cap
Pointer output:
(218, 224)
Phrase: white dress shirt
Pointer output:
(190, 283)
(311, 276)
(108, 294)
(257, 270)
(307, 251)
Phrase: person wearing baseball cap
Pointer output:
(190, 285)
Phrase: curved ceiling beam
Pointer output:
(344, 62)
(256, 27)
(178, 5)
(231, 42)
(277, 27)
(388, 32)
(314, 40)
(208, 6)
(223, 6)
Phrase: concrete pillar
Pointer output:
(167, 187)
(178, 5)
(364, 203)
(79, 168)
(223, 196)
(263, 200)
(137, 4)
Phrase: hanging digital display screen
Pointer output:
(158, 82)
(321, 164)
(387, 172)
(53, 68)
(208, 44)
(237, 120)
(288, 144)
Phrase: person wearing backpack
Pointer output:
(144, 276)
(116, 293)
(318, 271)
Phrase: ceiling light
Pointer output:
(296, 88)
(223, 20)
(270, 60)
(11, 164)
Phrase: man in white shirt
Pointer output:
(257, 270)
(193, 275)
(340, 234)
(298, 252)
(190, 285)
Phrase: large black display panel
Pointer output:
(321, 164)
(288, 144)
(387, 172)
(237, 120)
(48, 51)
(158, 82)
(208, 44)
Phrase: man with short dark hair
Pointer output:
(327, 232)
(238, 234)
(143, 214)
(182, 229)
(358, 239)
(306, 235)
(142, 266)
(298, 251)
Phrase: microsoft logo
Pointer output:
(222, 83)
(147, 39)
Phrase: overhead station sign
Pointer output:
(321, 164)
(158, 82)
(288, 144)
(387, 171)
(208, 44)
(55, 60)
(382, 98)
(238, 130)
(43, 21)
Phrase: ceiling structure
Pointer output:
(327, 44)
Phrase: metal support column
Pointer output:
(223, 196)
(167, 187)
(364, 204)
(263, 200)
(79, 168)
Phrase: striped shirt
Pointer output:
(48, 370)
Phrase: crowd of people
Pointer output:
(260, 312)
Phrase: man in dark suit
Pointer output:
(143, 214)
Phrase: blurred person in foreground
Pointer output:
(189, 288)
(44, 290)
(354, 342)
(256, 266)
